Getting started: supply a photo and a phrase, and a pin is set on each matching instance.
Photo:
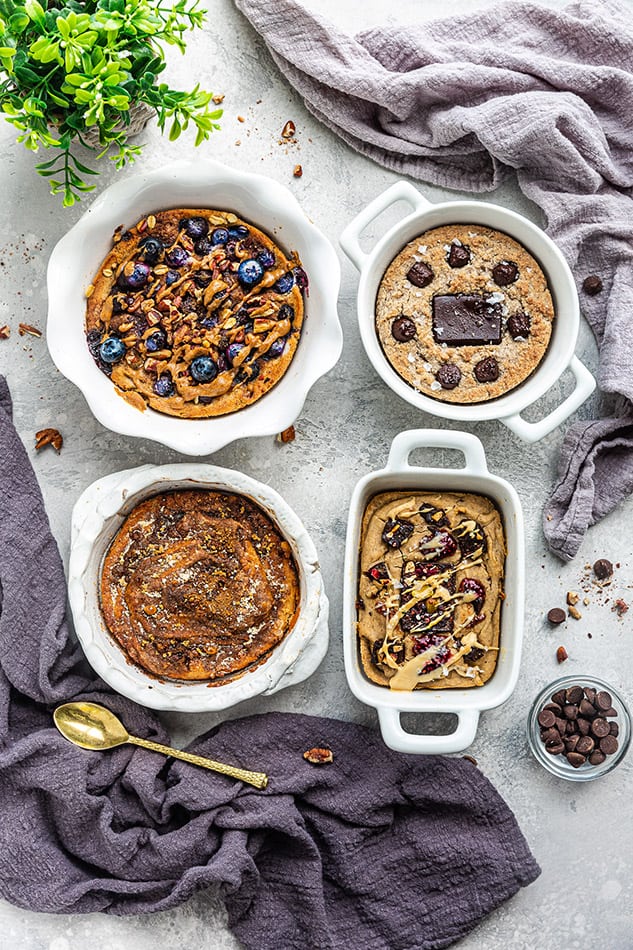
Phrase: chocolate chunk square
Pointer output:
(466, 320)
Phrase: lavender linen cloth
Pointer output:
(460, 102)
(378, 851)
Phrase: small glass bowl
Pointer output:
(558, 764)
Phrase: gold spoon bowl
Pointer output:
(94, 727)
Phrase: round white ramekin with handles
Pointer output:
(560, 353)
(468, 703)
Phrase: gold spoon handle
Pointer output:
(258, 779)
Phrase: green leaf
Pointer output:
(35, 11)
(18, 21)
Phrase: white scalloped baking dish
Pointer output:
(560, 353)
(203, 184)
(96, 518)
(466, 704)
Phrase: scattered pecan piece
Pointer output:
(572, 597)
(218, 99)
(319, 756)
(288, 435)
(562, 654)
(470, 758)
(5, 332)
(27, 328)
(620, 607)
(288, 130)
(574, 612)
(48, 437)
(297, 171)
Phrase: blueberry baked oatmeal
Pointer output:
(199, 585)
(430, 590)
(464, 313)
(195, 313)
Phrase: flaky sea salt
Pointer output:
(422, 248)
(427, 367)
(435, 385)
(496, 297)
(411, 357)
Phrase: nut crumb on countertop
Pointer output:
(297, 171)
(288, 435)
(288, 130)
(620, 607)
(574, 612)
(5, 332)
(49, 437)
(24, 328)
(572, 597)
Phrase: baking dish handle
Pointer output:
(533, 431)
(469, 445)
(399, 740)
(350, 238)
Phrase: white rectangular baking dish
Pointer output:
(466, 704)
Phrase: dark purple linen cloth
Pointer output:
(462, 102)
(377, 851)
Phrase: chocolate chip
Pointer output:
(549, 735)
(600, 728)
(571, 743)
(504, 273)
(614, 729)
(574, 694)
(597, 757)
(583, 726)
(603, 569)
(586, 709)
(465, 320)
(610, 713)
(571, 712)
(609, 745)
(590, 693)
(395, 533)
(554, 748)
(559, 698)
(557, 615)
(448, 376)
(561, 725)
(592, 285)
(458, 256)
(554, 707)
(571, 727)
(519, 325)
(403, 329)
(546, 718)
(585, 745)
(420, 274)
(487, 370)
(575, 759)
(603, 700)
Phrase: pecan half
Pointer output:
(5, 332)
(561, 654)
(49, 437)
(288, 435)
(297, 171)
(319, 756)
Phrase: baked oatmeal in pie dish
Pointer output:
(430, 590)
(464, 313)
(195, 312)
(199, 585)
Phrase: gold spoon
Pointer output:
(96, 728)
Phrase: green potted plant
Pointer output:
(79, 73)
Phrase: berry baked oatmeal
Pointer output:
(464, 313)
(430, 590)
(195, 313)
(199, 585)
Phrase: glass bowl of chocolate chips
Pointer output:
(579, 728)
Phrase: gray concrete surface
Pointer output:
(581, 834)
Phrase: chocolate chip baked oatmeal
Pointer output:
(195, 313)
(464, 313)
(430, 589)
(199, 585)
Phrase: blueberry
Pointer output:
(196, 227)
(177, 256)
(208, 322)
(250, 272)
(219, 236)
(171, 277)
(232, 350)
(164, 385)
(112, 349)
(203, 369)
(301, 278)
(204, 246)
(285, 283)
(156, 341)
(277, 348)
(286, 312)
(152, 249)
(238, 231)
(266, 258)
(137, 279)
